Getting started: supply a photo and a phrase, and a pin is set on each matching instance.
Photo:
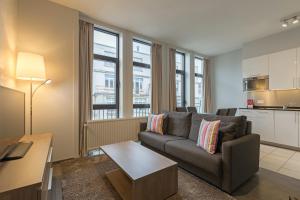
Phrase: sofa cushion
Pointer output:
(155, 140)
(155, 123)
(238, 124)
(208, 135)
(179, 123)
(186, 150)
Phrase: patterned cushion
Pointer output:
(155, 123)
(208, 135)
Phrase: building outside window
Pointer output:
(199, 84)
(141, 78)
(180, 79)
(105, 86)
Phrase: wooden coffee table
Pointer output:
(143, 174)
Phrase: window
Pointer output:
(199, 84)
(105, 85)
(180, 79)
(141, 78)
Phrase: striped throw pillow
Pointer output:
(155, 123)
(208, 135)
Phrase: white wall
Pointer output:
(8, 37)
(52, 31)
(281, 41)
(226, 77)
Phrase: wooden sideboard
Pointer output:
(30, 177)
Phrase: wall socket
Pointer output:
(260, 101)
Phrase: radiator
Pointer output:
(111, 131)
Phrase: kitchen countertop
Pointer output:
(273, 108)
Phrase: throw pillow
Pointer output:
(208, 135)
(155, 123)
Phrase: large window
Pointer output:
(141, 78)
(105, 86)
(180, 79)
(199, 84)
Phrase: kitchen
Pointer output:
(271, 85)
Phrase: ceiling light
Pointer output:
(295, 20)
(284, 24)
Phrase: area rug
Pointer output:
(84, 178)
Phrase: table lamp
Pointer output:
(31, 67)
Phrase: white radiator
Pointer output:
(111, 131)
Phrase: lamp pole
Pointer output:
(32, 92)
(31, 106)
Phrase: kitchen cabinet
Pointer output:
(286, 127)
(257, 66)
(262, 123)
(283, 70)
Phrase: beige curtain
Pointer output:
(207, 87)
(86, 31)
(156, 96)
(172, 79)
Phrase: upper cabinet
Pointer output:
(283, 70)
(258, 66)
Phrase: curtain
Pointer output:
(86, 31)
(172, 79)
(156, 96)
(207, 107)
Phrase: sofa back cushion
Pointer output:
(233, 125)
(179, 123)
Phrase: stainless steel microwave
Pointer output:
(256, 83)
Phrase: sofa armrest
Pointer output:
(240, 161)
(143, 126)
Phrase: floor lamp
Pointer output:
(31, 67)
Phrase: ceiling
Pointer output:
(210, 27)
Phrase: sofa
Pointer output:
(235, 161)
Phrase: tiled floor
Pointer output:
(280, 160)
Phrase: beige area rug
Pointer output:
(84, 178)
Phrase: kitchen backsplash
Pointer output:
(274, 98)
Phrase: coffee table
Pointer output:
(142, 174)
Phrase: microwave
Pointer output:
(256, 83)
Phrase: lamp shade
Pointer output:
(30, 67)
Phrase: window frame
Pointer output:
(116, 61)
(142, 65)
(182, 73)
(199, 75)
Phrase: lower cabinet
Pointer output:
(280, 127)
(262, 123)
(286, 128)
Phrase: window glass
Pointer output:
(105, 91)
(180, 79)
(141, 78)
(105, 44)
(141, 52)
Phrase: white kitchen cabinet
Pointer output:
(262, 123)
(257, 66)
(283, 69)
(286, 127)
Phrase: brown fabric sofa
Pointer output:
(235, 162)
